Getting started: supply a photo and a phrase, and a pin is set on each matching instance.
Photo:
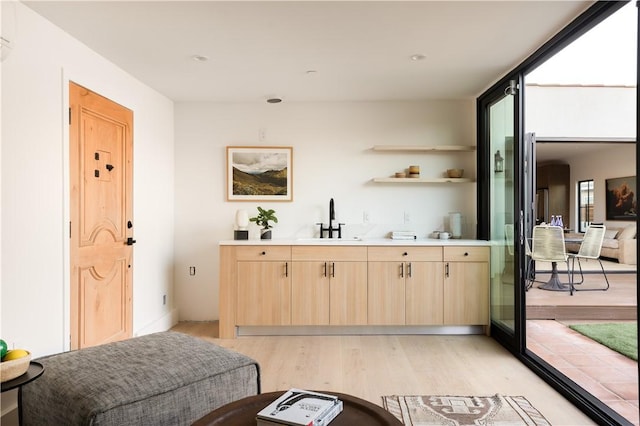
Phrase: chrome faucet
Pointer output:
(330, 229)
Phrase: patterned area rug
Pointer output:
(463, 410)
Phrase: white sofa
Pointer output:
(619, 243)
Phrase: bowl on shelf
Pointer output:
(455, 173)
(9, 370)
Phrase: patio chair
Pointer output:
(590, 249)
(548, 246)
(529, 269)
(529, 272)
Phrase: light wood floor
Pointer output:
(372, 366)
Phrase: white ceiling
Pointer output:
(360, 51)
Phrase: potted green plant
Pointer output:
(262, 219)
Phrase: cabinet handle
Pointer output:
(286, 269)
(402, 270)
(263, 253)
(466, 253)
(409, 269)
(333, 270)
(405, 254)
(324, 273)
(446, 270)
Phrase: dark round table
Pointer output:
(35, 370)
(243, 412)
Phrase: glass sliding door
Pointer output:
(502, 224)
(510, 203)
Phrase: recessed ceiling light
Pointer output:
(200, 58)
(417, 57)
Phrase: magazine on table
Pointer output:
(298, 407)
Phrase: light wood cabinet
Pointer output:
(466, 286)
(263, 285)
(329, 285)
(281, 285)
(405, 285)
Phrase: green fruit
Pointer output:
(3, 348)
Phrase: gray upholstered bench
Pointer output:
(160, 379)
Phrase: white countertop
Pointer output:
(356, 242)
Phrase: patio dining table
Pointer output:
(554, 283)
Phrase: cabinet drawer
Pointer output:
(405, 254)
(263, 253)
(346, 254)
(466, 254)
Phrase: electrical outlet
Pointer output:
(366, 217)
(192, 270)
(407, 217)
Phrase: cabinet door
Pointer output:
(386, 293)
(424, 293)
(348, 293)
(264, 293)
(310, 293)
(466, 293)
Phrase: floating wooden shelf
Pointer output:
(423, 148)
(443, 148)
(422, 180)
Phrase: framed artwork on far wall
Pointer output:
(259, 173)
(621, 201)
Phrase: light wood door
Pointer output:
(424, 293)
(101, 169)
(386, 293)
(466, 293)
(264, 293)
(310, 293)
(348, 293)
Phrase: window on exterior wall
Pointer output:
(585, 204)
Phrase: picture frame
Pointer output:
(259, 173)
(621, 198)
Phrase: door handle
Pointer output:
(130, 241)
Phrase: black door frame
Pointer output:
(485, 168)
(601, 10)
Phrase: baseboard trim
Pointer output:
(355, 330)
(163, 323)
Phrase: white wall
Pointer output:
(35, 193)
(613, 161)
(332, 158)
(576, 111)
(597, 112)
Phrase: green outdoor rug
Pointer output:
(622, 337)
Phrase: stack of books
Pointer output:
(299, 407)
(403, 235)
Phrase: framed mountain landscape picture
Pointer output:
(256, 173)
